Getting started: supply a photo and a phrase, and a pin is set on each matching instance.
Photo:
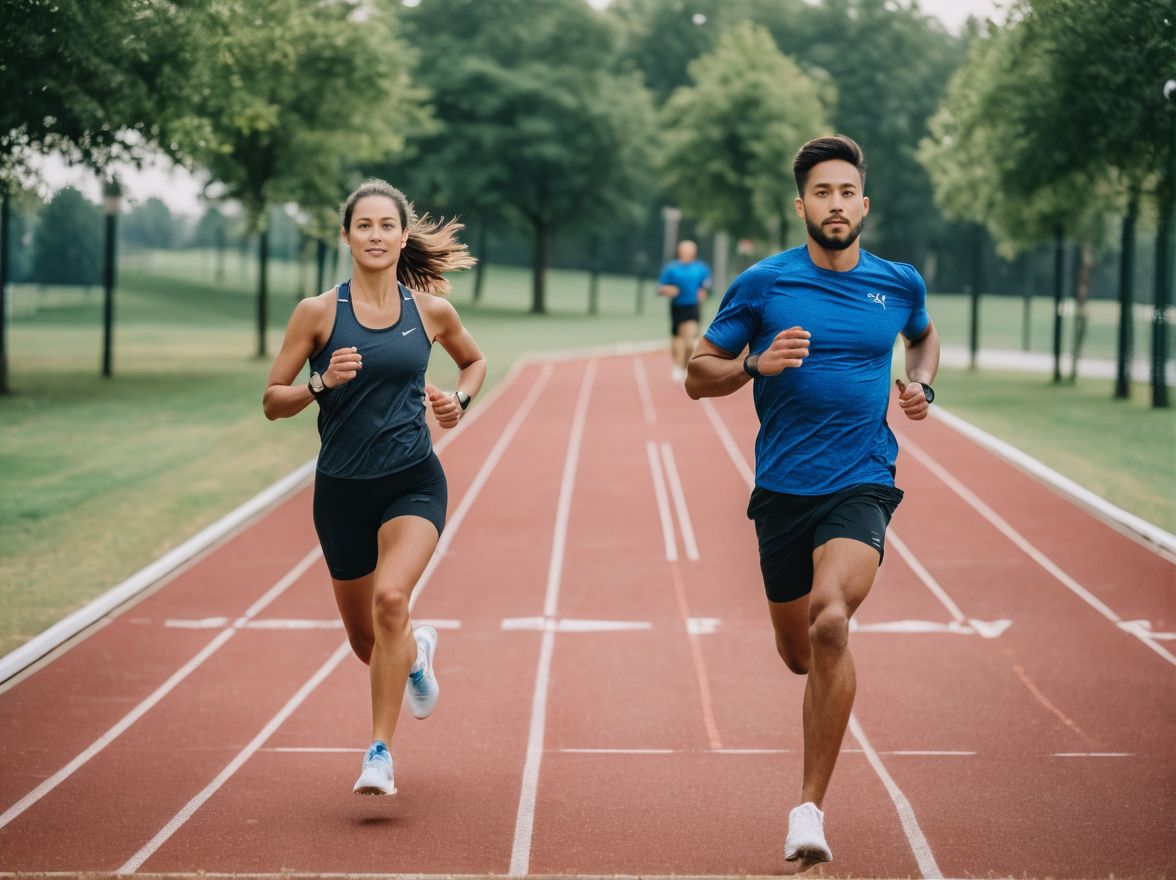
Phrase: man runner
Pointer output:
(814, 329)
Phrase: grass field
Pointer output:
(100, 476)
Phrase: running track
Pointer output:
(612, 703)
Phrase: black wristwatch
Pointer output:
(928, 392)
(463, 399)
(317, 386)
(750, 368)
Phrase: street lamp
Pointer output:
(111, 200)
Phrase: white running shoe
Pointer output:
(376, 775)
(423, 689)
(806, 835)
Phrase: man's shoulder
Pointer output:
(903, 273)
(764, 274)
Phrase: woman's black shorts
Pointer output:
(791, 527)
(348, 513)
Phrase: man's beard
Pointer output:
(829, 243)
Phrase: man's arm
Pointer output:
(713, 372)
(922, 365)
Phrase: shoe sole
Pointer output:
(429, 655)
(809, 857)
(369, 790)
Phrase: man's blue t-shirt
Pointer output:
(823, 424)
(687, 277)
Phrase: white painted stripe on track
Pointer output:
(520, 856)
(906, 813)
(1030, 550)
(642, 378)
(729, 444)
(663, 503)
(675, 482)
(1092, 755)
(925, 576)
(1150, 535)
(134, 862)
(160, 692)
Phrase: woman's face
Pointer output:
(376, 236)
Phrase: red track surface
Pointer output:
(667, 747)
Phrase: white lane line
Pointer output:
(1031, 551)
(925, 576)
(663, 503)
(1092, 755)
(675, 481)
(159, 693)
(520, 856)
(135, 861)
(342, 651)
(729, 444)
(454, 522)
(643, 392)
(906, 813)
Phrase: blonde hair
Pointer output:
(432, 249)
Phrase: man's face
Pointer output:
(687, 251)
(833, 206)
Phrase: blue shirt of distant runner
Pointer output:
(688, 278)
(823, 424)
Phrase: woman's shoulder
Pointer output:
(434, 305)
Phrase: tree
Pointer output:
(67, 243)
(730, 137)
(293, 92)
(98, 81)
(149, 225)
(537, 127)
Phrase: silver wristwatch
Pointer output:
(316, 385)
(463, 399)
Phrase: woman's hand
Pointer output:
(445, 406)
(345, 365)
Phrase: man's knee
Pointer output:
(829, 630)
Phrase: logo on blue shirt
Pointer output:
(879, 298)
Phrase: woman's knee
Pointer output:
(390, 610)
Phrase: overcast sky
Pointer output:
(181, 191)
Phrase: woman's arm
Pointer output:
(447, 329)
(282, 399)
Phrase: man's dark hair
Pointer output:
(823, 149)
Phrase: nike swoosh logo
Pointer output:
(406, 332)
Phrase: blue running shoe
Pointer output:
(423, 689)
(376, 775)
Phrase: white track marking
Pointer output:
(566, 625)
(642, 379)
(1092, 755)
(663, 503)
(504, 440)
(687, 528)
(729, 444)
(906, 814)
(702, 626)
(1031, 551)
(520, 856)
(987, 629)
(135, 861)
(925, 576)
(343, 650)
(160, 692)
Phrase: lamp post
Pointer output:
(1164, 260)
(111, 199)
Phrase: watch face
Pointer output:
(929, 393)
(316, 382)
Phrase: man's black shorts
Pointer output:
(791, 527)
(681, 314)
(348, 513)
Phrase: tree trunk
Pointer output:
(539, 269)
(1126, 299)
(480, 268)
(1082, 275)
(262, 288)
(1059, 282)
(5, 218)
(221, 243)
(1164, 247)
(320, 264)
(108, 297)
(594, 276)
(978, 282)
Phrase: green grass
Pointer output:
(98, 477)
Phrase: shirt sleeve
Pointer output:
(737, 319)
(919, 320)
(667, 274)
